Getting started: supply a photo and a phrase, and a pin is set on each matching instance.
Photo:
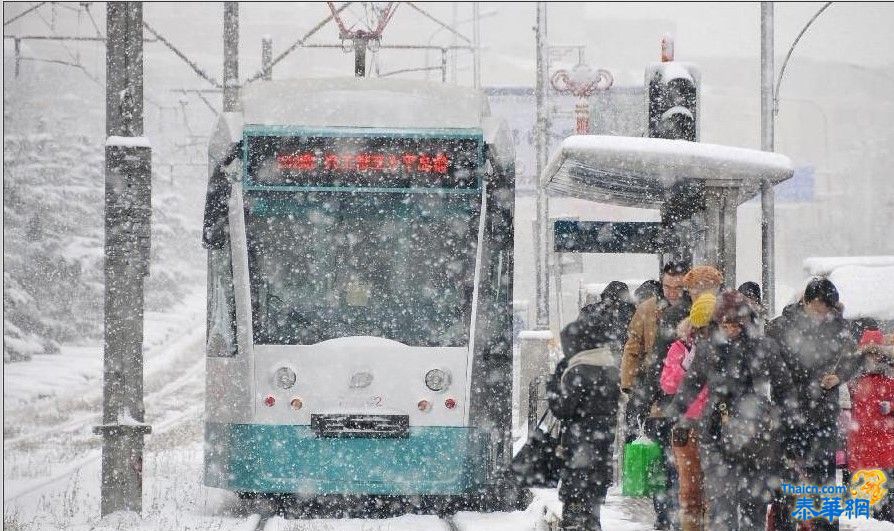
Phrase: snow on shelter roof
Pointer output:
(363, 102)
(634, 171)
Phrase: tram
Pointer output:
(360, 236)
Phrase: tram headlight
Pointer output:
(284, 378)
(437, 379)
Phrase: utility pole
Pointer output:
(127, 236)
(541, 236)
(267, 57)
(768, 242)
(476, 45)
(231, 57)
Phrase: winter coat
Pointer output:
(584, 389)
(675, 366)
(810, 350)
(870, 443)
(638, 350)
(733, 372)
(597, 325)
(664, 338)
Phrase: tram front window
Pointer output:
(325, 265)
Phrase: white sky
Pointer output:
(621, 36)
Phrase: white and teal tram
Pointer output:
(360, 237)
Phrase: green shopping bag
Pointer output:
(643, 468)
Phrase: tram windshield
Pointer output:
(325, 265)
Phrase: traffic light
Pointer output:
(673, 94)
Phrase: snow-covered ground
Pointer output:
(52, 459)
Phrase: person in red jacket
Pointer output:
(870, 442)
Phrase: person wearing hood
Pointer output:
(870, 443)
(684, 439)
(584, 395)
(741, 371)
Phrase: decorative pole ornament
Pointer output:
(667, 48)
(582, 82)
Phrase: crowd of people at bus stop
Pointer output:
(738, 403)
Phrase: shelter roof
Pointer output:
(639, 172)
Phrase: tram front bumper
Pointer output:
(293, 459)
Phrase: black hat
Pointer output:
(822, 289)
(751, 290)
(616, 291)
(649, 288)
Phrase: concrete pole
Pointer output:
(768, 225)
(541, 235)
(267, 58)
(231, 57)
(127, 235)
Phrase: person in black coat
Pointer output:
(817, 345)
(748, 385)
(584, 395)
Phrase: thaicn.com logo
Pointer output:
(867, 488)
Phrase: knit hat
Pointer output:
(733, 307)
(702, 309)
(702, 277)
(822, 289)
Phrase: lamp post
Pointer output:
(769, 109)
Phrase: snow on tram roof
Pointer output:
(636, 171)
(363, 102)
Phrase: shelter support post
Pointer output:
(719, 243)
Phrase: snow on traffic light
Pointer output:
(673, 94)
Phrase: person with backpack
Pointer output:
(739, 429)
(583, 394)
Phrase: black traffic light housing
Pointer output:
(673, 96)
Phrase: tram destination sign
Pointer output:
(363, 161)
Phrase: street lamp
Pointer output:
(769, 109)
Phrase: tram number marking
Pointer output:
(376, 401)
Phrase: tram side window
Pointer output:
(222, 304)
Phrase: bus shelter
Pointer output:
(696, 187)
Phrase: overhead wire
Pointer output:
(23, 13)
